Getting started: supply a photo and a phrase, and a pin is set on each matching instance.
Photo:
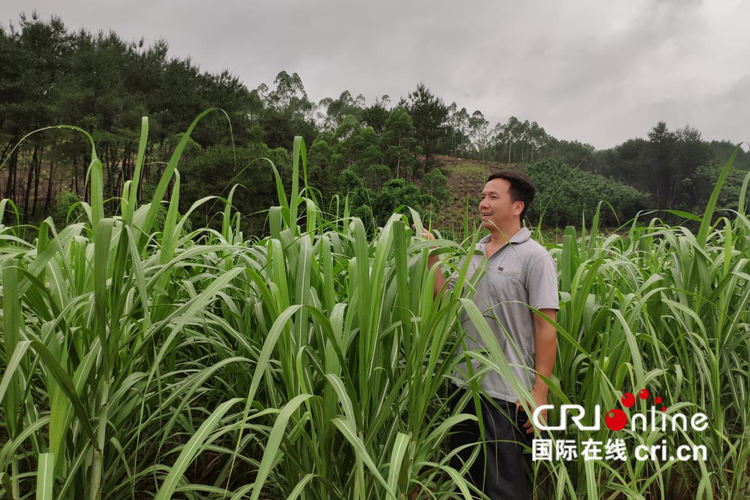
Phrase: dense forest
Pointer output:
(379, 156)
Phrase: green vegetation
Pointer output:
(566, 194)
(143, 357)
(104, 85)
(200, 314)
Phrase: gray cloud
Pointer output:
(599, 72)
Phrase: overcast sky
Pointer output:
(599, 71)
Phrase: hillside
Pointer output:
(466, 178)
(565, 195)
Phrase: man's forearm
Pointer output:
(433, 260)
(545, 339)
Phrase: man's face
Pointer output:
(496, 205)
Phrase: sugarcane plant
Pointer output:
(148, 359)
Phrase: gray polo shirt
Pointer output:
(522, 271)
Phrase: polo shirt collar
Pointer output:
(521, 236)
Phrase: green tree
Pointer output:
(376, 115)
(701, 183)
(429, 114)
(479, 127)
(564, 193)
(349, 181)
(690, 153)
(458, 129)
(336, 110)
(399, 141)
(288, 111)
(398, 193)
(321, 168)
(375, 176)
(435, 184)
(217, 168)
(660, 158)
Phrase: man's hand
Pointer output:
(540, 398)
(433, 260)
(425, 233)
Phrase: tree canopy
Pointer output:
(383, 155)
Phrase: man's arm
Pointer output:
(433, 260)
(545, 347)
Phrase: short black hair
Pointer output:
(521, 187)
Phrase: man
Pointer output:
(520, 271)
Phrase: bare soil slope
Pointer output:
(466, 178)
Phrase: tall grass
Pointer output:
(142, 361)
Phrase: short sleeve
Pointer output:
(542, 284)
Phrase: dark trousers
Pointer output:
(503, 471)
